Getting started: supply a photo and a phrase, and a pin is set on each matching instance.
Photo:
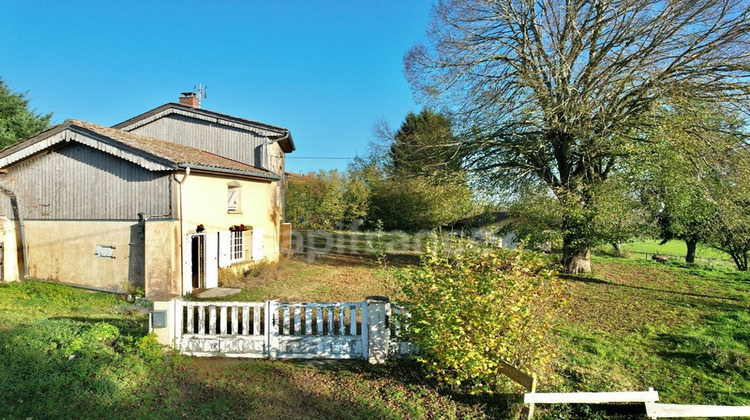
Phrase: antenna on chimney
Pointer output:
(201, 91)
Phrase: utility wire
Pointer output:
(318, 157)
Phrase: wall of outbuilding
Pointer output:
(77, 182)
(66, 251)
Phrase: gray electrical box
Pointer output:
(158, 319)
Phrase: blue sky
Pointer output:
(326, 70)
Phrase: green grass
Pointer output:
(632, 324)
(655, 247)
(67, 353)
(636, 324)
(63, 349)
(676, 250)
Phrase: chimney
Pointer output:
(190, 99)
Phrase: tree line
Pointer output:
(594, 121)
(688, 181)
(17, 121)
(404, 183)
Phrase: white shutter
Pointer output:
(225, 248)
(211, 255)
(187, 265)
(233, 198)
(257, 244)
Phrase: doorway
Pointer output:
(198, 261)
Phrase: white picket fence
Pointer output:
(367, 330)
(335, 330)
(231, 329)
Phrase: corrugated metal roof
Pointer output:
(150, 153)
(266, 130)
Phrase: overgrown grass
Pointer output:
(64, 349)
(327, 278)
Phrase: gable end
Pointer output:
(260, 129)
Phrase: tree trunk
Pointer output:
(691, 245)
(740, 259)
(618, 250)
(576, 247)
(575, 260)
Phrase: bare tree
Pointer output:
(560, 91)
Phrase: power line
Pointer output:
(318, 157)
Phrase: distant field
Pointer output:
(678, 249)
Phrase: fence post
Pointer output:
(378, 334)
(164, 319)
(272, 328)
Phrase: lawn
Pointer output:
(637, 324)
(324, 278)
(631, 325)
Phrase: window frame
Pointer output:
(236, 246)
(105, 251)
(234, 207)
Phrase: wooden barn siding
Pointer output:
(234, 143)
(80, 183)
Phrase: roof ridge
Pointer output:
(246, 120)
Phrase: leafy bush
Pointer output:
(472, 307)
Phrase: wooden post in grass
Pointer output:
(522, 378)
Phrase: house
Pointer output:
(162, 201)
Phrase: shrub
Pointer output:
(471, 307)
(242, 275)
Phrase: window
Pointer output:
(233, 199)
(237, 245)
(105, 251)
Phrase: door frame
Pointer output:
(201, 238)
(210, 261)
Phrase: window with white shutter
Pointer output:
(233, 199)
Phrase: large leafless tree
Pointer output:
(559, 91)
